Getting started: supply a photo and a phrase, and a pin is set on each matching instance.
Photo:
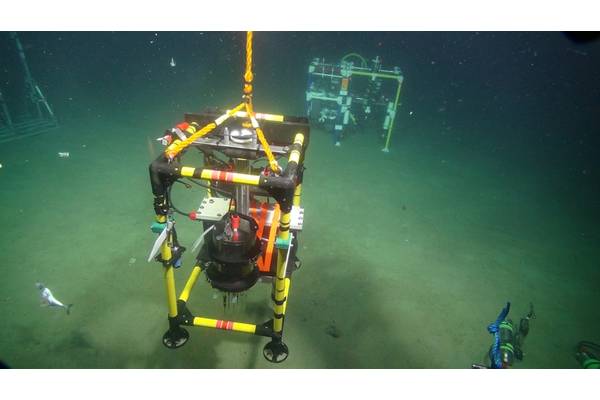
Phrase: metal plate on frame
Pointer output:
(212, 208)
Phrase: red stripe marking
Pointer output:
(214, 175)
(226, 325)
(183, 126)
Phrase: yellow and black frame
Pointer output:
(251, 215)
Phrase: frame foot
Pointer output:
(175, 338)
(276, 351)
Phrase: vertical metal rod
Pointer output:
(391, 127)
(5, 112)
(242, 192)
(46, 105)
(35, 94)
(28, 77)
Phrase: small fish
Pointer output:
(49, 299)
(172, 63)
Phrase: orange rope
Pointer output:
(261, 138)
(248, 75)
(178, 146)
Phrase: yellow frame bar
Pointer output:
(189, 285)
(235, 177)
(282, 284)
(400, 79)
(263, 116)
(386, 148)
(377, 75)
(169, 276)
(225, 325)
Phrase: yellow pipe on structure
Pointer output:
(171, 295)
(235, 177)
(391, 127)
(279, 295)
(377, 75)
(187, 171)
(297, 194)
(226, 325)
(267, 117)
(189, 285)
(169, 275)
(280, 285)
(284, 227)
(288, 283)
(279, 309)
(223, 176)
(295, 154)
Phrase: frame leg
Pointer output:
(176, 336)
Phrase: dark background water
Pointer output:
(540, 80)
(530, 99)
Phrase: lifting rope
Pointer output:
(178, 146)
(248, 92)
(248, 75)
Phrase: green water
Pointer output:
(409, 255)
(406, 256)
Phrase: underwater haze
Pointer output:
(489, 195)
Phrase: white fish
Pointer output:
(49, 299)
(172, 63)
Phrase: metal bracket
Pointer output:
(213, 208)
